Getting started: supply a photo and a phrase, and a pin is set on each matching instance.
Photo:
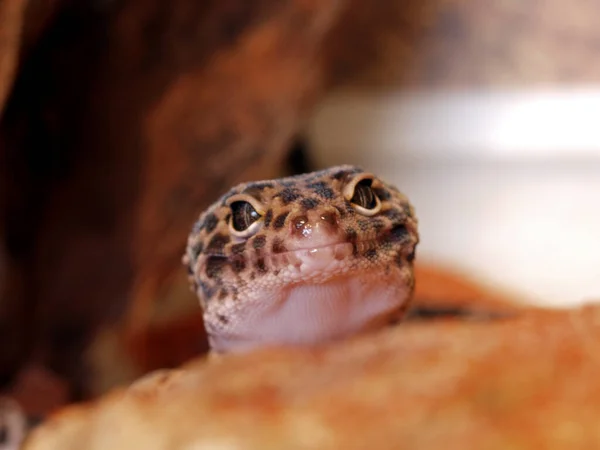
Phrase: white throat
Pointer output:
(305, 314)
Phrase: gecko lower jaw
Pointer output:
(314, 295)
(336, 250)
(310, 310)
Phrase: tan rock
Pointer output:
(524, 382)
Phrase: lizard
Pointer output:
(303, 259)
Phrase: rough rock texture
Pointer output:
(525, 382)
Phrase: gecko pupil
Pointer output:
(243, 215)
(364, 195)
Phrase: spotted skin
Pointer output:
(244, 281)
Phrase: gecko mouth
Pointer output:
(340, 256)
(318, 258)
(317, 294)
(302, 259)
(342, 249)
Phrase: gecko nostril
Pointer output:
(331, 218)
(300, 226)
(300, 222)
(315, 222)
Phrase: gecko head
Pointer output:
(302, 259)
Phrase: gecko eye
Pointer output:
(243, 216)
(364, 199)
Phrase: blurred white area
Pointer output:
(506, 184)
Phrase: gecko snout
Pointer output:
(316, 224)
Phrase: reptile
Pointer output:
(302, 260)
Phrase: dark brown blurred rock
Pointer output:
(525, 382)
(126, 120)
(12, 13)
(22, 23)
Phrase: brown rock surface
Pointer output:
(523, 382)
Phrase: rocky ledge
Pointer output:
(527, 379)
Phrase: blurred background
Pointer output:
(122, 120)
(487, 118)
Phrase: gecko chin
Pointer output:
(318, 295)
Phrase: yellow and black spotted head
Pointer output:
(264, 229)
